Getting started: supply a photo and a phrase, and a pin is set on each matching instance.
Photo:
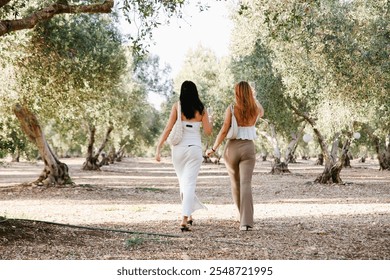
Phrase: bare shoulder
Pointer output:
(175, 106)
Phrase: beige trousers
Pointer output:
(240, 158)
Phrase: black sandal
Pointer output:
(184, 228)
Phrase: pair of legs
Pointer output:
(187, 161)
(240, 158)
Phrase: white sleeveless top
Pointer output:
(246, 133)
(191, 134)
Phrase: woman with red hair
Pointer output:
(240, 153)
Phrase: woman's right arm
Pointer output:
(261, 113)
(171, 122)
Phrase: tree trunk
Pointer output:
(320, 159)
(16, 156)
(112, 155)
(92, 160)
(383, 155)
(120, 153)
(347, 161)
(331, 174)
(278, 167)
(290, 157)
(333, 167)
(55, 172)
(105, 160)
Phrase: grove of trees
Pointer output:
(322, 66)
(71, 79)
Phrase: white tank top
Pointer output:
(191, 134)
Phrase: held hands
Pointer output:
(209, 152)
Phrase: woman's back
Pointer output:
(245, 120)
(198, 117)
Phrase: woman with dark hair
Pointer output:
(239, 153)
(187, 154)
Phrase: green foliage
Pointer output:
(153, 76)
(142, 16)
(73, 71)
(62, 59)
(328, 59)
(135, 241)
(12, 141)
(21, 8)
(155, 190)
(257, 68)
(138, 122)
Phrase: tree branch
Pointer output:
(311, 121)
(7, 26)
(4, 2)
(110, 128)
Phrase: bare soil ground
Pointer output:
(131, 210)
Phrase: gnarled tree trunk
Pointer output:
(333, 166)
(292, 146)
(55, 172)
(347, 161)
(120, 154)
(331, 173)
(92, 160)
(383, 155)
(278, 166)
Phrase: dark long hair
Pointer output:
(189, 100)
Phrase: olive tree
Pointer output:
(315, 48)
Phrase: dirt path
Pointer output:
(295, 218)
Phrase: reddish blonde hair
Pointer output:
(245, 102)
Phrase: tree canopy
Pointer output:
(325, 62)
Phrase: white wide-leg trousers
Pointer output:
(187, 161)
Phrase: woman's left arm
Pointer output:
(222, 133)
(207, 125)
